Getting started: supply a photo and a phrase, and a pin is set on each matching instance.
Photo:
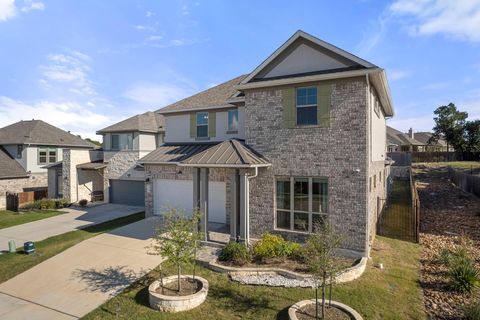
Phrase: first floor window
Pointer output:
(47, 155)
(301, 203)
(202, 125)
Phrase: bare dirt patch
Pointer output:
(187, 287)
(446, 214)
(308, 313)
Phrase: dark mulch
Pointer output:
(187, 287)
(331, 313)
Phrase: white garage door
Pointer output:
(179, 194)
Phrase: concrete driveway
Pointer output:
(73, 219)
(78, 280)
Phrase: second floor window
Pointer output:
(122, 141)
(47, 155)
(306, 99)
(232, 120)
(19, 151)
(202, 125)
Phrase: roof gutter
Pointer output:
(237, 166)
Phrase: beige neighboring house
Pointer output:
(112, 173)
(299, 140)
(398, 141)
(26, 147)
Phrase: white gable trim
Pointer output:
(313, 39)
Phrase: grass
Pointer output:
(465, 166)
(12, 264)
(11, 218)
(391, 293)
(398, 220)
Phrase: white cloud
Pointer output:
(149, 14)
(32, 5)
(70, 116)
(7, 9)
(394, 75)
(71, 68)
(454, 18)
(378, 29)
(436, 86)
(156, 96)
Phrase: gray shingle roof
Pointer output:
(213, 97)
(424, 137)
(39, 132)
(145, 122)
(9, 167)
(399, 138)
(231, 153)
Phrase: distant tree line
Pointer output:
(452, 126)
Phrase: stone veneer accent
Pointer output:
(334, 152)
(36, 180)
(173, 172)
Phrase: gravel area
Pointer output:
(272, 280)
(446, 214)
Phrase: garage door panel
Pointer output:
(127, 192)
(179, 194)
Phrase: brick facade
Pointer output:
(338, 153)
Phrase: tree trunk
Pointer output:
(316, 302)
(194, 259)
(330, 291)
(323, 294)
(178, 277)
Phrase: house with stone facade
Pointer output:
(26, 147)
(111, 174)
(299, 140)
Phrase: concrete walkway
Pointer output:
(78, 280)
(73, 219)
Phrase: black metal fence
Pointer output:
(400, 214)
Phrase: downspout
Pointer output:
(247, 207)
(369, 137)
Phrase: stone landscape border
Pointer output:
(350, 274)
(166, 303)
(351, 312)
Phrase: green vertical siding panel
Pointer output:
(212, 124)
(324, 93)
(193, 125)
(289, 108)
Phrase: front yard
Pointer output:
(391, 293)
(12, 264)
(10, 218)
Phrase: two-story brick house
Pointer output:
(300, 139)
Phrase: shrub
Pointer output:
(464, 277)
(234, 252)
(472, 311)
(272, 246)
(444, 256)
(83, 202)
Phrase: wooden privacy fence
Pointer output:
(399, 214)
(467, 182)
(17, 200)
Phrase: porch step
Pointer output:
(208, 253)
(213, 244)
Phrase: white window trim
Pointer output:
(292, 204)
(47, 155)
(231, 130)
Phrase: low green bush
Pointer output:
(46, 204)
(235, 252)
(83, 202)
(463, 275)
(472, 311)
(273, 246)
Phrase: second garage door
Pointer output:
(179, 194)
(127, 192)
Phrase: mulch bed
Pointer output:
(447, 213)
(331, 313)
(187, 287)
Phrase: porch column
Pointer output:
(244, 207)
(196, 188)
(204, 202)
(234, 208)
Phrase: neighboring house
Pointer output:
(32, 145)
(113, 174)
(412, 141)
(299, 140)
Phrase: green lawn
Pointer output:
(12, 264)
(10, 218)
(392, 293)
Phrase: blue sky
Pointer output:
(82, 65)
